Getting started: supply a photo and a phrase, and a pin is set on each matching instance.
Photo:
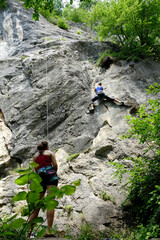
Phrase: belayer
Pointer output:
(47, 170)
(101, 96)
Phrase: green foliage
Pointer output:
(24, 57)
(144, 176)
(3, 4)
(89, 233)
(61, 23)
(79, 32)
(11, 227)
(115, 55)
(104, 54)
(87, 4)
(16, 228)
(56, 12)
(87, 150)
(105, 196)
(147, 232)
(133, 24)
(47, 8)
(73, 156)
(43, 5)
(56, 150)
(75, 14)
(68, 208)
(18, 169)
(50, 16)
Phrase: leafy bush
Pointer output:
(77, 15)
(105, 196)
(16, 228)
(144, 176)
(89, 233)
(79, 32)
(3, 4)
(132, 24)
(147, 232)
(61, 23)
(87, 4)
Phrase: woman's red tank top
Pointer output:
(43, 161)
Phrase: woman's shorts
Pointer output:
(48, 176)
(47, 180)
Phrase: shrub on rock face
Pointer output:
(3, 4)
(71, 157)
(61, 23)
(105, 61)
(144, 176)
(132, 24)
(17, 228)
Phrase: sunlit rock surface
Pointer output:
(47, 77)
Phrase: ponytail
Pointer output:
(40, 148)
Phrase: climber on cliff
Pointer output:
(100, 96)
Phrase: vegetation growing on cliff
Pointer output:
(132, 24)
(16, 227)
(144, 177)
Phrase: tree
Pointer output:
(39, 5)
(87, 4)
(131, 23)
(144, 177)
(16, 227)
(3, 4)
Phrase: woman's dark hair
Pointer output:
(42, 146)
(100, 84)
(45, 145)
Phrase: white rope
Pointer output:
(47, 98)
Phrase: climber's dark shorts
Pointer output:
(101, 97)
(48, 176)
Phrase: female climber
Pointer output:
(47, 170)
(101, 95)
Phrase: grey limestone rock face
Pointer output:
(47, 77)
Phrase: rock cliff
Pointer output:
(46, 83)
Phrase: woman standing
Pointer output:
(47, 170)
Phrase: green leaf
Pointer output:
(11, 218)
(38, 220)
(24, 171)
(20, 196)
(41, 233)
(25, 212)
(60, 194)
(36, 187)
(54, 190)
(17, 223)
(5, 226)
(33, 197)
(68, 189)
(9, 233)
(77, 183)
(22, 180)
(35, 177)
(34, 164)
(52, 204)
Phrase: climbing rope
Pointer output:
(46, 99)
